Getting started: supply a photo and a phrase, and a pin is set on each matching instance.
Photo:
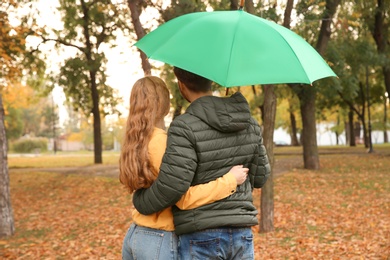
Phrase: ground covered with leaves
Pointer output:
(339, 212)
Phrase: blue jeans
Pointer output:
(144, 243)
(218, 243)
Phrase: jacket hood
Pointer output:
(225, 114)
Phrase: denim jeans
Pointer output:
(144, 243)
(218, 243)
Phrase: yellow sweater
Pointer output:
(196, 195)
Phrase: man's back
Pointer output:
(203, 144)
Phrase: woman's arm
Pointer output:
(212, 191)
(165, 192)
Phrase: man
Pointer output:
(213, 135)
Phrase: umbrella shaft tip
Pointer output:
(242, 2)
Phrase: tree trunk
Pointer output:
(287, 13)
(294, 131)
(259, 106)
(386, 74)
(7, 227)
(268, 114)
(385, 137)
(249, 7)
(140, 32)
(362, 115)
(307, 94)
(234, 5)
(267, 192)
(286, 23)
(347, 132)
(337, 132)
(380, 33)
(325, 30)
(365, 131)
(307, 98)
(177, 112)
(97, 135)
(352, 137)
(370, 150)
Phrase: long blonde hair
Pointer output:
(149, 103)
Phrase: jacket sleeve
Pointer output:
(207, 193)
(176, 172)
(261, 167)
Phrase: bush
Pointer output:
(29, 145)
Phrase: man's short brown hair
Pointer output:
(192, 81)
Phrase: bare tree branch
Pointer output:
(62, 42)
(349, 103)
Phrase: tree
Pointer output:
(286, 113)
(7, 226)
(16, 98)
(135, 11)
(378, 25)
(307, 93)
(177, 101)
(268, 109)
(176, 9)
(286, 23)
(13, 123)
(11, 47)
(385, 136)
(17, 63)
(89, 26)
(267, 191)
(49, 120)
(380, 32)
(353, 52)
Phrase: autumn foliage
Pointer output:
(12, 44)
(338, 212)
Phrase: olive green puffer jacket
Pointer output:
(203, 144)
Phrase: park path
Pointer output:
(281, 166)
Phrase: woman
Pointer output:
(152, 236)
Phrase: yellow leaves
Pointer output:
(75, 137)
(12, 39)
(17, 96)
(322, 3)
(356, 15)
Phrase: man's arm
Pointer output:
(176, 172)
(260, 168)
(263, 167)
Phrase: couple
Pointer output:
(193, 188)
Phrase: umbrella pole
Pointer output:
(227, 92)
(241, 5)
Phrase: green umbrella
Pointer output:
(234, 48)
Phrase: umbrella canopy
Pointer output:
(234, 48)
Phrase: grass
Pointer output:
(60, 160)
(328, 150)
(86, 158)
